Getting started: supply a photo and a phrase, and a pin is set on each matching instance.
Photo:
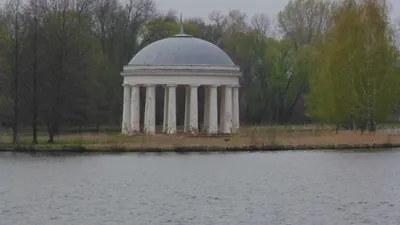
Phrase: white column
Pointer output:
(227, 128)
(206, 108)
(171, 109)
(135, 108)
(126, 110)
(193, 124)
(150, 107)
(187, 109)
(165, 120)
(213, 111)
(235, 109)
(222, 110)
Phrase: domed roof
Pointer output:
(181, 49)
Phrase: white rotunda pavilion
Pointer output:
(191, 62)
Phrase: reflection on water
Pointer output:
(249, 188)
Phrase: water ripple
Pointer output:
(260, 188)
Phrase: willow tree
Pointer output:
(356, 74)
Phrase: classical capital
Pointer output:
(212, 85)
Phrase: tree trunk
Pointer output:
(372, 125)
(34, 129)
(34, 84)
(51, 133)
(34, 102)
(15, 119)
(51, 138)
(16, 82)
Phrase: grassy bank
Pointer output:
(264, 138)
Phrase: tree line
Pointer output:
(317, 61)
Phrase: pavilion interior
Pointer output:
(180, 107)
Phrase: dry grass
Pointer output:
(248, 137)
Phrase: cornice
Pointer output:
(186, 70)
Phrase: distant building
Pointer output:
(191, 62)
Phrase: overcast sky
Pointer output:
(201, 8)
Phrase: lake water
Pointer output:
(247, 188)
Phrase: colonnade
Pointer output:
(229, 109)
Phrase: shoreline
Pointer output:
(250, 139)
(197, 149)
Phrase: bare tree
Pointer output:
(70, 62)
(118, 29)
(235, 22)
(304, 20)
(169, 16)
(217, 26)
(4, 84)
(262, 23)
(105, 21)
(33, 21)
(224, 26)
(16, 29)
(217, 18)
(137, 13)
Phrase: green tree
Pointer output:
(118, 29)
(70, 66)
(357, 78)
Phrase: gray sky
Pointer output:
(201, 8)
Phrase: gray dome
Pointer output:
(181, 50)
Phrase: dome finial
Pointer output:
(181, 25)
